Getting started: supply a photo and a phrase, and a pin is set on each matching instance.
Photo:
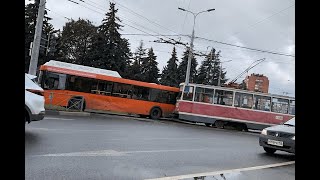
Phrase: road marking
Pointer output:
(88, 153)
(166, 150)
(63, 119)
(115, 153)
(224, 171)
(154, 139)
(33, 128)
(71, 130)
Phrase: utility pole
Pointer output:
(220, 74)
(36, 41)
(191, 43)
(210, 70)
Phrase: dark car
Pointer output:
(279, 137)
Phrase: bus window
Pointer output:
(54, 81)
(223, 97)
(204, 95)
(81, 84)
(102, 87)
(188, 93)
(280, 105)
(140, 93)
(122, 90)
(155, 95)
(243, 100)
(292, 107)
(172, 98)
(262, 103)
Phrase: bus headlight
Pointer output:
(293, 138)
(264, 132)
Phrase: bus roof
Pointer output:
(77, 67)
(65, 68)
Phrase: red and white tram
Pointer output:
(221, 106)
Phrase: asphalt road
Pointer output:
(119, 147)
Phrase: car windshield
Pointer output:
(291, 122)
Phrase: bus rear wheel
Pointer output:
(155, 113)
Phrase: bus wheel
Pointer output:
(219, 124)
(155, 113)
(207, 124)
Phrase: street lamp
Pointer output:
(191, 43)
(221, 70)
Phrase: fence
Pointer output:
(63, 101)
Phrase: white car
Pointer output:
(34, 100)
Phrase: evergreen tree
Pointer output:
(76, 38)
(109, 50)
(182, 68)
(149, 68)
(169, 73)
(135, 69)
(209, 70)
(216, 71)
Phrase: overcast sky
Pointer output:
(261, 24)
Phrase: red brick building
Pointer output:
(257, 83)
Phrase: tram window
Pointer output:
(262, 103)
(292, 107)
(243, 100)
(280, 105)
(204, 95)
(188, 93)
(223, 97)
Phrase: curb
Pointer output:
(92, 113)
(66, 113)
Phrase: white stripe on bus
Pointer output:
(224, 118)
(233, 107)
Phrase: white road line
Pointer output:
(224, 171)
(115, 153)
(63, 119)
(166, 150)
(88, 153)
(34, 128)
(72, 130)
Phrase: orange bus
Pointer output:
(104, 90)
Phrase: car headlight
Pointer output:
(293, 138)
(264, 132)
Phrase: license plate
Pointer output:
(275, 143)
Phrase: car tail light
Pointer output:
(38, 92)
